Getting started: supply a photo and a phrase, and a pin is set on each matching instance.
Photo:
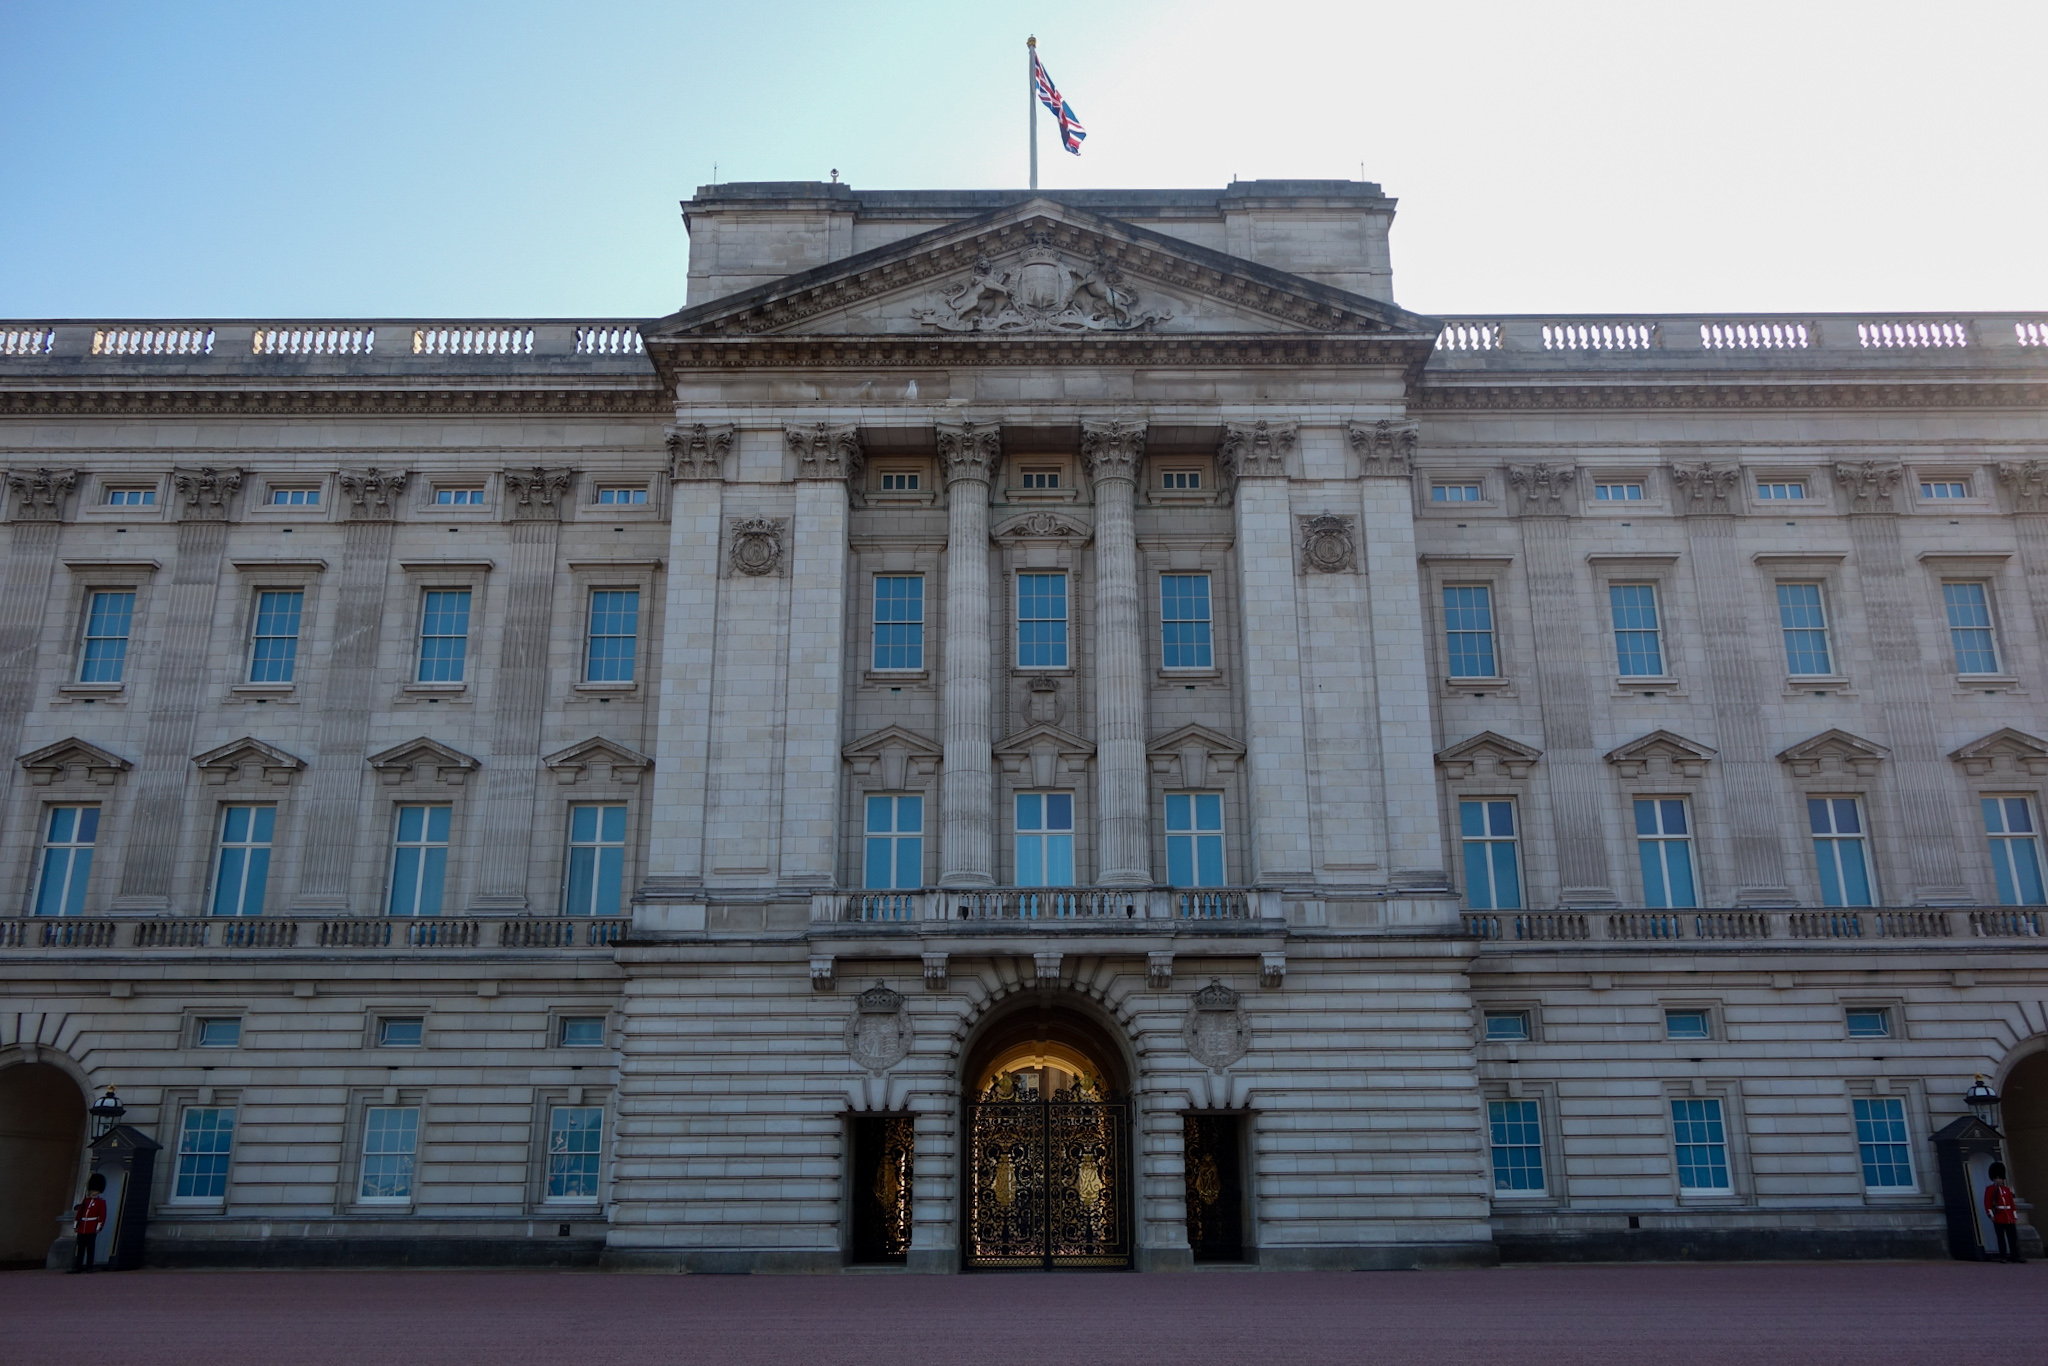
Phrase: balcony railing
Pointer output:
(237, 933)
(1959, 923)
(1056, 905)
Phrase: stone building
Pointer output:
(1024, 730)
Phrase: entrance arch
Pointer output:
(42, 1139)
(2024, 1118)
(1048, 1150)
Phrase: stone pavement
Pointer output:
(1813, 1314)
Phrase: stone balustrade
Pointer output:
(233, 933)
(1642, 928)
(1027, 905)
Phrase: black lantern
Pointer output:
(1983, 1102)
(106, 1113)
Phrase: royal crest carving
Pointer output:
(372, 493)
(537, 494)
(1705, 489)
(1542, 488)
(970, 450)
(1216, 1032)
(1328, 544)
(697, 451)
(1869, 484)
(824, 451)
(1386, 449)
(757, 546)
(1041, 526)
(1045, 291)
(206, 491)
(878, 1033)
(2026, 484)
(1112, 450)
(39, 493)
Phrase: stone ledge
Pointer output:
(370, 1251)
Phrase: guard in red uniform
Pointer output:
(2003, 1207)
(88, 1219)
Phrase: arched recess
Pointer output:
(2024, 1119)
(42, 1142)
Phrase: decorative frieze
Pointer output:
(207, 492)
(969, 450)
(372, 493)
(538, 494)
(39, 493)
(1386, 449)
(757, 546)
(698, 451)
(1112, 450)
(1870, 484)
(1329, 544)
(2026, 484)
(824, 451)
(1543, 490)
(1706, 489)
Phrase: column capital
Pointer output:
(537, 494)
(1255, 450)
(207, 492)
(39, 493)
(1386, 449)
(1112, 449)
(698, 451)
(1870, 484)
(1544, 490)
(2026, 484)
(373, 493)
(824, 451)
(969, 450)
(1706, 489)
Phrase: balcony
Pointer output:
(1789, 928)
(1018, 907)
(357, 934)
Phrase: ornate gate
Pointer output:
(883, 1148)
(1215, 1187)
(1049, 1179)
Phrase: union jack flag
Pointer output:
(1071, 131)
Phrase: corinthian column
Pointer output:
(967, 455)
(1113, 452)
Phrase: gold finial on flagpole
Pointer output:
(1032, 41)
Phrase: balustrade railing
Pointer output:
(1646, 927)
(1039, 904)
(278, 932)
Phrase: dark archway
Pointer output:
(1047, 1171)
(2024, 1119)
(42, 1140)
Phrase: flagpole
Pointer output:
(1031, 89)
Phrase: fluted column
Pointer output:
(968, 453)
(1113, 451)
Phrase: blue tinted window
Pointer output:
(614, 634)
(107, 621)
(1042, 621)
(1184, 621)
(899, 621)
(1637, 642)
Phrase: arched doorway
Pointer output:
(2024, 1119)
(1048, 1126)
(42, 1138)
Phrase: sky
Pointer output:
(460, 159)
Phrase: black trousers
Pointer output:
(81, 1255)
(2008, 1241)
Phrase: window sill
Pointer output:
(1802, 685)
(435, 689)
(92, 689)
(1041, 495)
(1982, 683)
(264, 689)
(1628, 685)
(1181, 496)
(1050, 671)
(894, 498)
(1454, 686)
(1189, 675)
(894, 678)
(611, 688)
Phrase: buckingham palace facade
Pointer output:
(1021, 730)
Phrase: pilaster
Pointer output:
(811, 763)
(968, 455)
(1113, 453)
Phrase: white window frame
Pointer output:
(1656, 632)
(1065, 619)
(297, 496)
(875, 624)
(427, 596)
(372, 1131)
(1525, 1017)
(892, 839)
(599, 846)
(1835, 842)
(556, 1108)
(1046, 833)
(1796, 491)
(72, 846)
(1989, 628)
(2002, 843)
(424, 844)
(257, 635)
(591, 635)
(93, 593)
(1487, 841)
(198, 1031)
(1180, 480)
(114, 495)
(1492, 633)
(1630, 491)
(1475, 487)
(1207, 623)
(248, 848)
(1663, 842)
(182, 1153)
(1825, 629)
(1900, 1139)
(1196, 834)
(906, 480)
(636, 496)
(1701, 1109)
(1534, 1109)
(1945, 488)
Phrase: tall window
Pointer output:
(1637, 639)
(206, 1141)
(274, 649)
(108, 618)
(895, 842)
(1780, 492)
(574, 1135)
(1194, 839)
(614, 631)
(1702, 1141)
(391, 1140)
(1468, 626)
(242, 869)
(1042, 621)
(1045, 839)
(597, 859)
(1839, 850)
(1517, 1133)
(67, 859)
(1493, 878)
(444, 635)
(899, 621)
(2015, 850)
(1882, 1144)
(419, 860)
(1664, 845)
(1184, 621)
(1969, 627)
(1804, 622)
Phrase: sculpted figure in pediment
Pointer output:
(1045, 293)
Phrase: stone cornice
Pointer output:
(1507, 397)
(150, 401)
(1094, 348)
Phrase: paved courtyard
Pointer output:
(1806, 1313)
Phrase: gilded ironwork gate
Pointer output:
(1215, 1187)
(883, 1148)
(1049, 1179)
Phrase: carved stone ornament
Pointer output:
(1043, 290)
(698, 451)
(2026, 484)
(1112, 450)
(970, 450)
(1328, 544)
(878, 1033)
(39, 493)
(824, 451)
(1041, 526)
(372, 493)
(206, 491)
(1042, 700)
(1254, 450)
(1706, 489)
(1386, 449)
(757, 546)
(1543, 488)
(1216, 1032)
(1869, 483)
(537, 494)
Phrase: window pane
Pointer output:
(899, 622)
(1637, 648)
(1508, 1026)
(1882, 1143)
(1180, 808)
(1059, 861)
(1702, 1144)
(1209, 860)
(1870, 1024)
(1517, 1142)
(909, 862)
(1042, 621)
(1059, 811)
(106, 637)
(1180, 860)
(614, 633)
(390, 1140)
(275, 645)
(583, 1031)
(444, 636)
(1468, 623)
(1184, 621)
(206, 1140)
(1969, 627)
(574, 1132)
(1030, 811)
(1804, 624)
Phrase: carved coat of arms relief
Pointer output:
(1044, 291)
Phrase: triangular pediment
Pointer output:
(1194, 733)
(2006, 750)
(622, 763)
(1660, 749)
(1510, 757)
(1834, 751)
(891, 737)
(1038, 271)
(248, 757)
(73, 757)
(1044, 734)
(423, 758)
(1199, 753)
(894, 755)
(1044, 755)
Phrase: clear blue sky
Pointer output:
(454, 158)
